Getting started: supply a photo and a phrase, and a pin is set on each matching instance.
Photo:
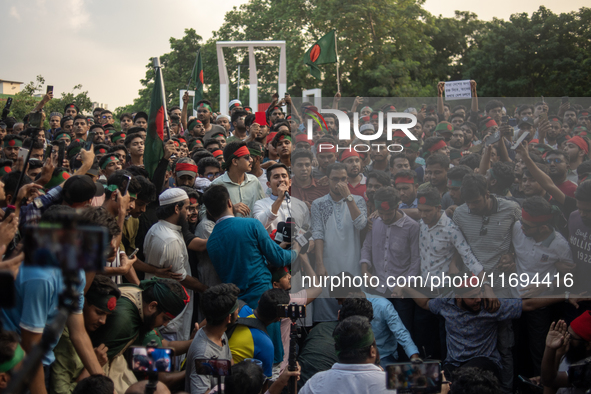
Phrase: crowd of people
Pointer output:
(200, 255)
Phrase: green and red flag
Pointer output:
(197, 77)
(322, 52)
(154, 149)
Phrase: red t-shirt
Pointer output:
(568, 188)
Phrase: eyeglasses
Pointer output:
(107, 117)
(555, 161)
(484, 230)
(213, 176)
(246, 157)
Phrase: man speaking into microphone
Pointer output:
(280, 205)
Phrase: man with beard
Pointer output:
(282, 142)
(139, 310)
(54, 122)
(577, 149)
(245, 189)
(558, 162)
(108, 165)
(457, 139)
(355, 178)
(220, 308)
(195, 128)
(224, 122)
(399, 162)
(574, 343)
(11, 145)
(406, 184)
(99, 136)
(238, 118)
(165, 246)
(379, 156)
(204, 112)
(375, 181)
(436, 172)
(184, 172)
(326, 154)
(99, 303)
(304, 186)
(192, 208)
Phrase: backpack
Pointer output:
(245, 321)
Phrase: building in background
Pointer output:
(10, 87)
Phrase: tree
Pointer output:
(545, 55)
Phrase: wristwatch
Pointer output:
(349, 198)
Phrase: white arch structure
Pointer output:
(253, 83)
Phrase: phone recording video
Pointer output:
(150, 359)
(213, 367)
(414, 378)
(292, 311)
(83, 247)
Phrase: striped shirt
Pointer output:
(496, 230)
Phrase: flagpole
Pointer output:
(158, 69)
(337, 52)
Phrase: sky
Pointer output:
(91, 42)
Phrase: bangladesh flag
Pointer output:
(323, 52)
(197, 77)
(154, 149)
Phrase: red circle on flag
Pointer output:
(7, 169)
(315, 53)
(201, 76)
(11, 143)
(112, 303)
(422, 200)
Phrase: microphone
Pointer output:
(287, 196)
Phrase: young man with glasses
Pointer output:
(487, 223)
(245, 189)
(558, 162)
(106, 117)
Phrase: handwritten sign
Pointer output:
(458, 90)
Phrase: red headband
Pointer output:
(302, 138)
(186, 167)
(399, 133)
(182, 140)
(176, 143)
(217, 152)
(535, 219)
(193, 201)
(242, 151)
(491, 123)
(580, 142)
(440, 145)
(402, 179)
(271, 136)
(582, 326)
(348, 153)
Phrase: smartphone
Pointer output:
(504, 119)
(83, 247)
(520, 140)
(126, 185)
(414, 378)
(22, 153)
(61, 154)
(150, 359)
(293, 311)
(49, 88)
(512, 122)
(260, 118)
(89, 140)
(47, 153)
(132, 255)
(525, 380)
(543, 117)
(564, 99)
(493, 139)
(213, 367)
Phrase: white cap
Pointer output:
(172, 195)
(366, 127)
(223, 116)
(233, 103)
